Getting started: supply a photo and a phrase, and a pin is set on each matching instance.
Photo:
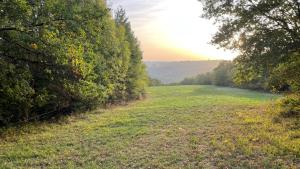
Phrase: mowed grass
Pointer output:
(175, 127)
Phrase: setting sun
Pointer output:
(172, 30)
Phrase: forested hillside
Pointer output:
(61, 56)
(174, 72)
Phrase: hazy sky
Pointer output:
(171, 29)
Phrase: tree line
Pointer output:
(225, 74)
(62, 56)
(220, 76)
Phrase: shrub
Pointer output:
(290, 105)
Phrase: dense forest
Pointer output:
(57, 57)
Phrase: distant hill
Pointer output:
(173, 72)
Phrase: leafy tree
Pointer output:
(204, 79)
(222, 75)
(137, 76)
(267, 34)
(61, 56)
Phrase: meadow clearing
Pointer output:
(175, 127)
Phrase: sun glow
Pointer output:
(174, 30)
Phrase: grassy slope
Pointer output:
(176, 127)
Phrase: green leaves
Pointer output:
(71, 54)
(15, 92)
(266, 33)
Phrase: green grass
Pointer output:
(175, 127)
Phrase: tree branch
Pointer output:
(31, 51)
(8, 29)
(279, 21)
(297, 3)
(32, 25)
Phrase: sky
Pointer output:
(172, 30)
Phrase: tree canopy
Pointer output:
(61, 56)
(267, 35)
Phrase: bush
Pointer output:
(222, 75)
(15, 92)
(290, 105)
(154, 82)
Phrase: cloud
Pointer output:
(139, 11)
(171, 29)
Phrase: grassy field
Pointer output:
(175, 127)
